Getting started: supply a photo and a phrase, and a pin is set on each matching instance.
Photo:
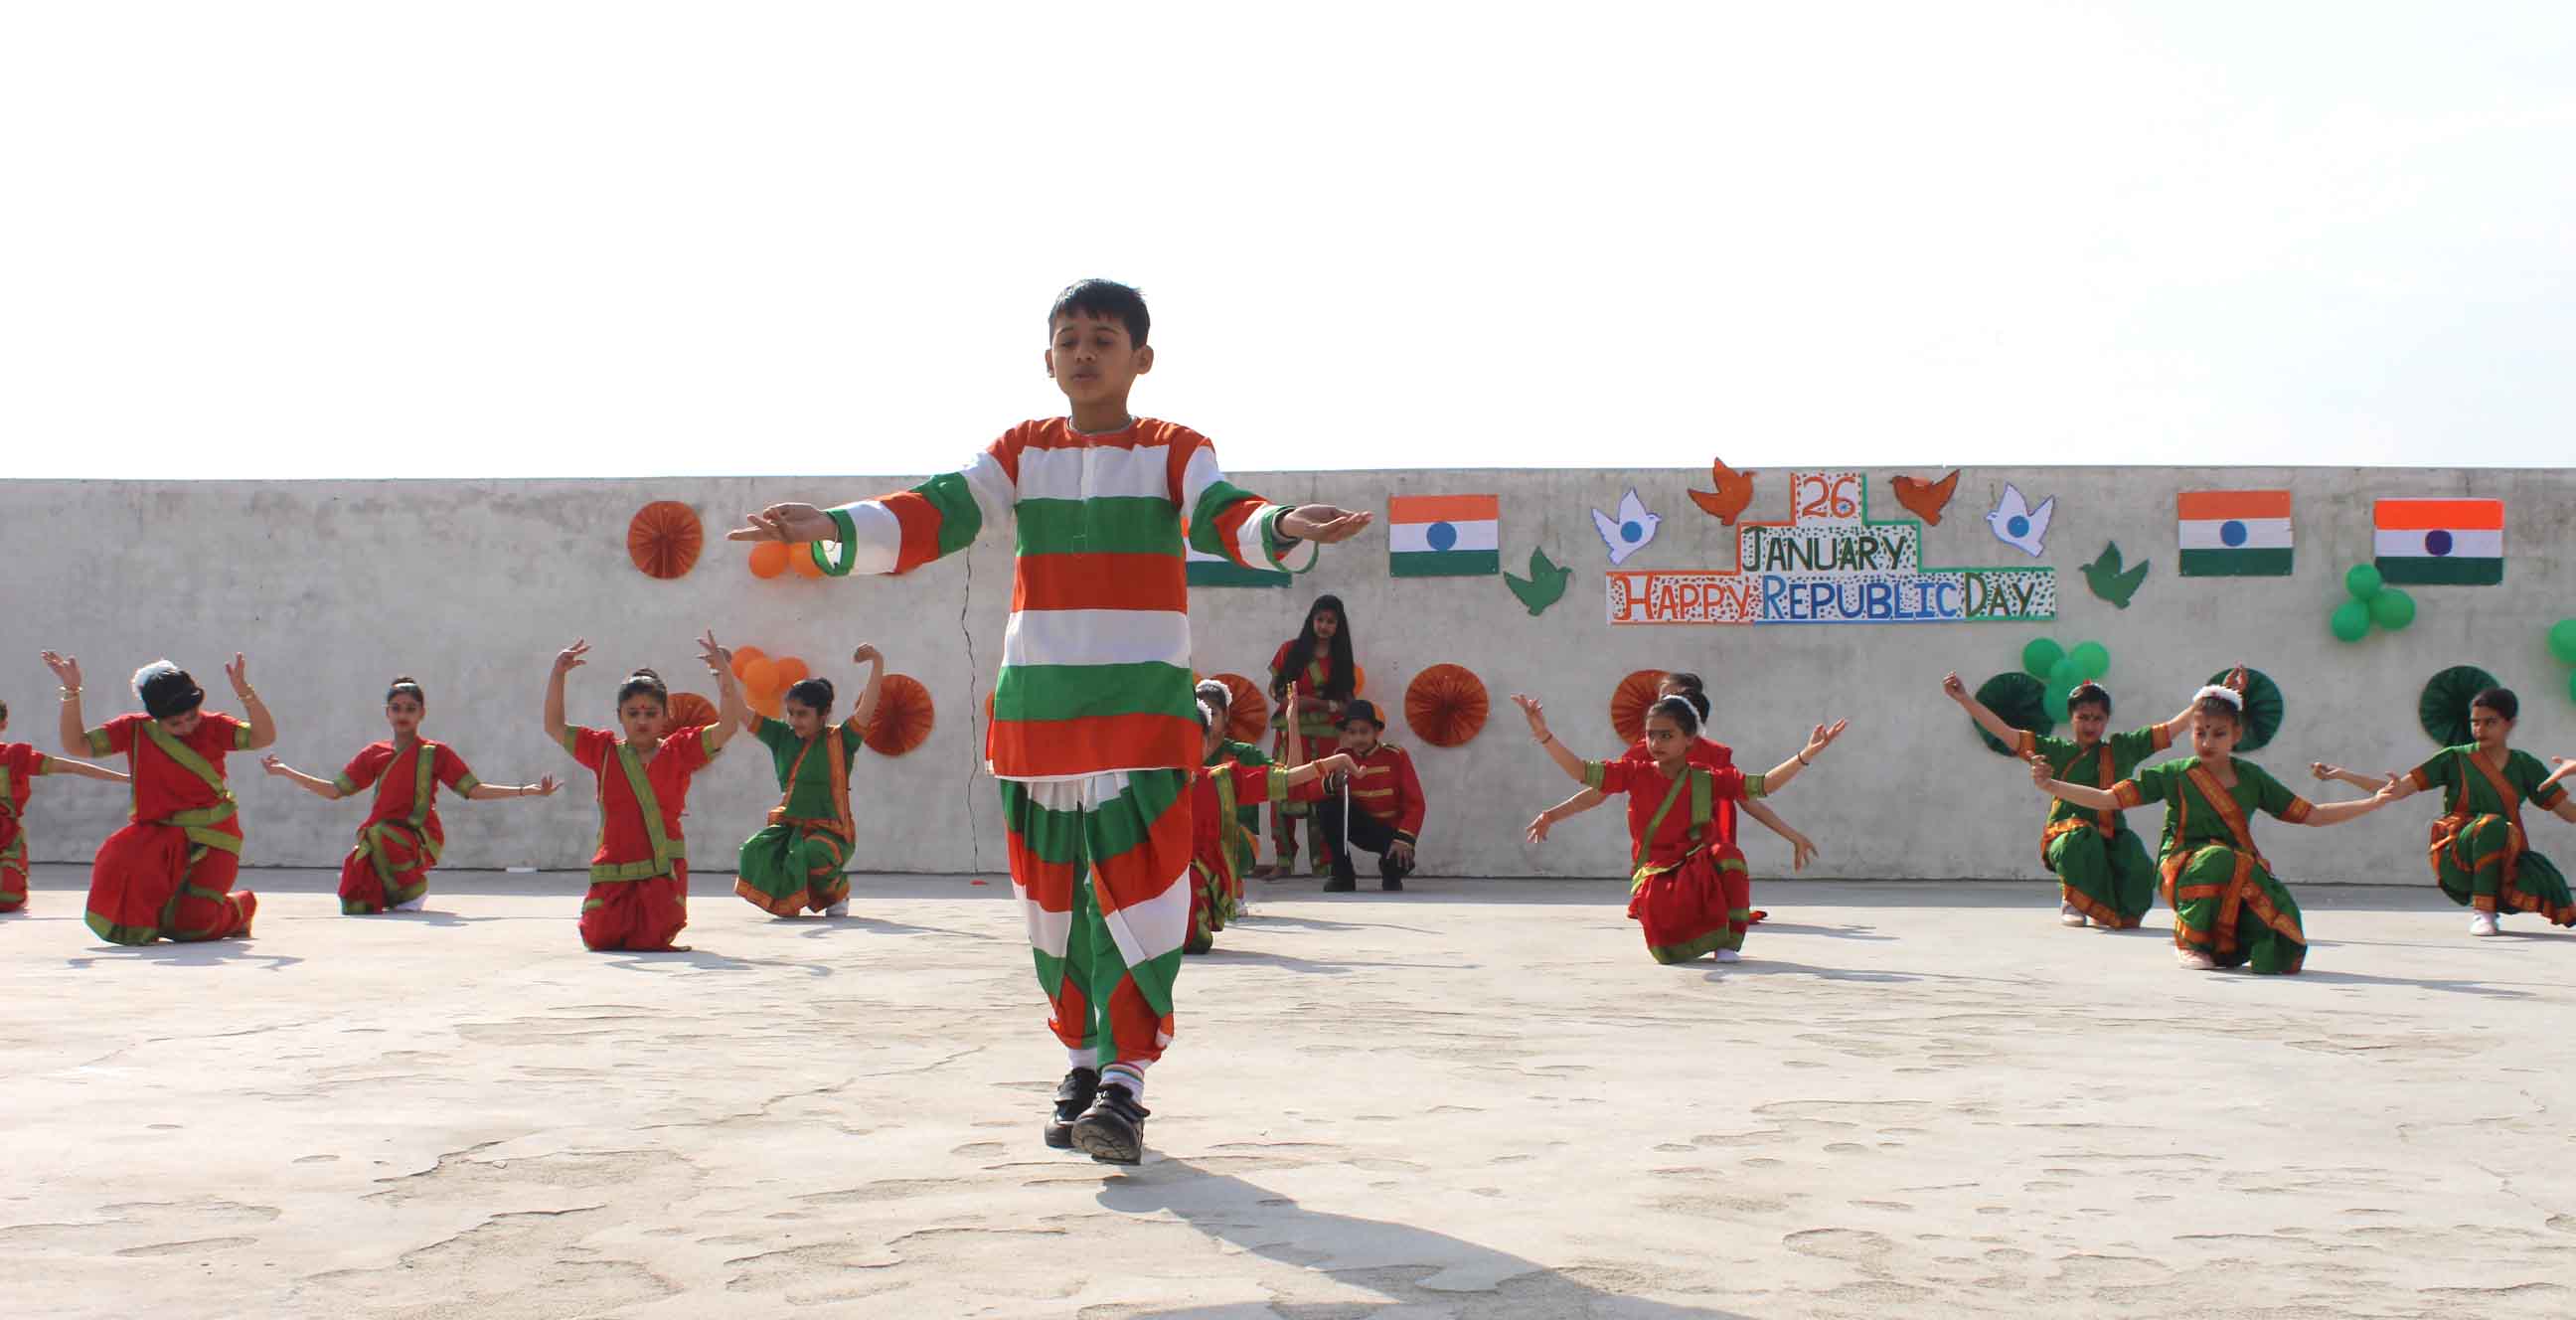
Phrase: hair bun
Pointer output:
(405, 680)
(646, 671)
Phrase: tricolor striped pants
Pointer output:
(1101, 868)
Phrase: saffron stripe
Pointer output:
(2425, 515)
(1443, 508)
(2225, 504)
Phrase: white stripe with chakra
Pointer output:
(2411, 544)
(2259, 534)
(1415, 538)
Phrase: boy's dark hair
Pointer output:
(644, 683)
(4, 712)
(2500, 700)
(1679, 710)
(1107, 300)
(406, 686)
(1301, 653)
(2089, 693)
(814, 694)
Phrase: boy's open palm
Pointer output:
(787, 522)
(1322, 524)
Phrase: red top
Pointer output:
(625, 839)
(1387, 789)
(1648, 790)
(1707, 754)
(399, 793)
(20, 763)
(1209, 819)
(1307, 682)
(162, 787)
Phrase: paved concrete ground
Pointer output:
(1478, 1099)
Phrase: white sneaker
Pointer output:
(407, 905)
(2193, 960)
(2068, 916)
(2484, 923)
(840, 909)
(1729, 955)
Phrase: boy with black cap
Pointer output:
(1386, 801)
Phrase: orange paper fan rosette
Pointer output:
(903, 718)
(1249, 713)
(664, 538)
(1446, 705)
(1628, 703)
(691, 711)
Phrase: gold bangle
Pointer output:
(71, 694)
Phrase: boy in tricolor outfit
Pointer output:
(1386, 801)
(1095, 733)
(20, 763)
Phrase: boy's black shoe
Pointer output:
(1391, 884)
(1342, 882)
(1112, 1130)
(1072, 1095)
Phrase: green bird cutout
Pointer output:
(2108, 581)
(1544, 586)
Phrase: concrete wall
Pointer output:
(334, 587)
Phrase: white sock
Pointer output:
(1129, 1075)
(1084, 1058)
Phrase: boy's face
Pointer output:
(1359, 737)
(1092, 359)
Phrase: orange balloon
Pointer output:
(743, 656)
(760, 677)
(768, 559)
(792, 671)
(800, 557)
(770, 704)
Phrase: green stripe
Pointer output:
(1227, 573)
(1154, 978)
(837, 560)
(1107, 525)
(1112, 829)
(1443, 563)
(960, 519)
(1216, 499)
(2270, 562)
(1065, 692)
(2429, 571)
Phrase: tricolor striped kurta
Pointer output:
(1096, 661)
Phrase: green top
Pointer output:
(2194, 818)
(2077, 766)
(808, 783)
(1227, 749)
(2473, 785)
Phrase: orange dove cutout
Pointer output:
(1926, 499)
(1734, 492)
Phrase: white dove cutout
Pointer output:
(2017, 524)
(1630, 531)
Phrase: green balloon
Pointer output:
(2351, 621)
(2392, 609)
(2562, 641)
(2054, 701)
(2363, 581)
(2571, 687)
(2041, 656)
(2092, 660)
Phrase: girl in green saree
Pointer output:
(2480, 855)
(2229, 909)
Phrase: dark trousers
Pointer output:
(1368, 834)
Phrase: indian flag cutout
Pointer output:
(2439, 542)
(2234, 533)
(1444, 535)
(1205, 570)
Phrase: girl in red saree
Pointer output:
(401, 838)
(170, 873)
(20, 765)
(639, 877)
(1688, 889)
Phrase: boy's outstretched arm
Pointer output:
(900, 532)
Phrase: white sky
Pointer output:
(263, 240)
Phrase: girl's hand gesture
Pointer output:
(1955, 688)
(1537, 715)
(1802, 850)
(1823, 738)
(273, 765)
(787, 522)
(719, 661)
(2040, 772)
(570, 658)
(1538, 826)
(2321, 770)
(2566, 766)
(1339, 763)
(239, 672)
(866, 653)
(66, 669)
(545, 787)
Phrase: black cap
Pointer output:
(1363, 709)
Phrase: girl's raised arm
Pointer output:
(729, 714)
(1565, 759)
(566, 661)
